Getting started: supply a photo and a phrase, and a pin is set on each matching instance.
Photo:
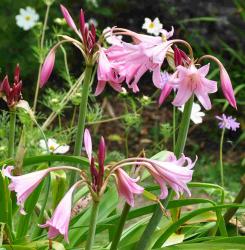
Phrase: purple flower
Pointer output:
(228, 122)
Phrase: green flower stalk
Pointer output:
(230, 123)
(181, 140)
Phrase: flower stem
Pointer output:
(82, 115)
(120, 226)
(41, 49)
(221, 157)
(37, 230)
(12, 121)
(174, 127)
(92, 226)
(181, 140)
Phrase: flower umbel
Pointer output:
(228, 122)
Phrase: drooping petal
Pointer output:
(204, 99)
(100, 87)
(183, 95)
(127, 186)
(165, 93)
(47, 67)
(24, 185)
(59, 222)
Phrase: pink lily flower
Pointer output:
(193, 81)
(25, 184)
(59, 222)
(227, 87)
(47, 67)
(172, 172)
(134, 60)
(127, 186)
(107, 72)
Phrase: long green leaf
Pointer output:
(174, 227)
(82, 161)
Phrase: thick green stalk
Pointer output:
(82, 115)
(92, 225)
(119, 230)
(12, 121)
(184, 127)
(41, 49)
(221, 158)
(157, 215)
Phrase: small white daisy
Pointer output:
(27, 18)
(110, 38)
(152, 27)
(54, 147)
(196, 114)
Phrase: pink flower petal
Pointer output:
(227, 87)
(127, 186)
(88, 144)
(68, 18)
(47, 67)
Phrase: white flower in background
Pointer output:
(93, 21)
(27, 18)
(110, 38)
(196, 114)
(124, 91)
(54, 147)
(152, 27)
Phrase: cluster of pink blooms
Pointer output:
(169, 172)
(128, 62)
(124, 62)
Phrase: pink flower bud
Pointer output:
(88, 144)
(68, 17)
(47, 67)
(166, 90)
(227, 87)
